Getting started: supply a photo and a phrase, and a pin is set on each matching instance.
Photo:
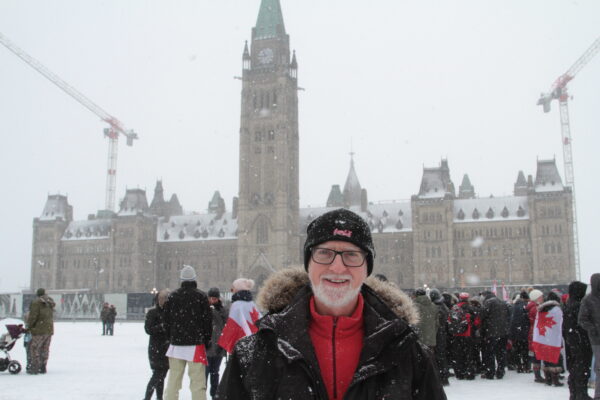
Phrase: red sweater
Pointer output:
(338, 342)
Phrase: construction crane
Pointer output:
(113, 131)
(559, 92)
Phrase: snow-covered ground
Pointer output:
(86, 365)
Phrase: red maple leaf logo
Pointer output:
(254, 315)
(545, 322)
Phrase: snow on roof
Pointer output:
(491, 209)
(87, 230)
(547, 178)
(382, 218)
(134, 202)
(196, 227)
(56, 207)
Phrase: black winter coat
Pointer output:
(519, 321)
(219, 315)
(494, 318)
(573, 333)
(589, 313)
(159, 338)
(441, 341)
(279, 361)
(188, 317)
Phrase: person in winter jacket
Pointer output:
(589, 319)
(552, 368)
(536, 297)
(111, 317)
(104, 318)
(188, 321)
(464, 356)
(157, 346)
(441, 340)
(428, 318)
(577, 344)
(519, 332)
(215, 353)
(40, 324)
(329, 334)
(494, 332)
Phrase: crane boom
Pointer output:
(115, 126)
(559, 91)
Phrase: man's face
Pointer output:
(213, 300)
(336, 286)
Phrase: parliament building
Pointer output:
(443, 236)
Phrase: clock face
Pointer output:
(265, 56)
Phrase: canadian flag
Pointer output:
(504, 293)
(547, 334)
(495, 288)
(241, 322)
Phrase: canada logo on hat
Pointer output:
(342, 232)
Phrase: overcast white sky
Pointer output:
(409, 82)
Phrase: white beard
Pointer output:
(335, 297)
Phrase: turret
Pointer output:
(294, 66)
(521, 187)
(466, 189)
(246, 59)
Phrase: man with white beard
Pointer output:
(331, 332)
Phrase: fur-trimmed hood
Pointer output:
(547, 305)
(280, 289)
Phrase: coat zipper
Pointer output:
(334, 360)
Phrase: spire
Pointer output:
(246, 60)
(466, 189)
(158, 199)
(294, 66)
(270, 20)
(521, 188)
(352, 189)
(336, 198)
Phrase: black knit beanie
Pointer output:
(340, 224)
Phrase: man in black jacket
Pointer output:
(578, 348)
(188, 321)
(494, 330)
(589, 319)
(329, 336)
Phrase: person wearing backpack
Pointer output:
(494, 330)
(461, 326)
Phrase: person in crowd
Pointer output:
(547, 338)
(494, 332)
(428, 318)
(243, 314)
(589, 319)
(104, 318)
(327, 334)
(215, 353)
(111, 317)
(449, 301)
(188, 321)
(157, 346)
(519, 332)
(40, 324)
(441, 340)
(577, 344)
(536, 297)
(476, 342)
(461, 324)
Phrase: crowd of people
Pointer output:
(482, 335)
(108, 315)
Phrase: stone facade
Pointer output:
(437, 238)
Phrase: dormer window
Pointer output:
(490, 213)
(197, 234)
(520, 212)
(166, 235)
(400, 213)
(475, 214)
(399, 225)
(504, 212)
(181, 234)
(461, 214)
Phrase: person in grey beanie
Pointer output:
(188, 322)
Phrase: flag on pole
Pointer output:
(495, 288)
(241, 322)
(504, 293)
(547, 334)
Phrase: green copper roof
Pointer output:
(269, 17)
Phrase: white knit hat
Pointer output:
(187, 273)
(535, 294)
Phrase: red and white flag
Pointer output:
(547, 334)
(495, 288)
(241, 322)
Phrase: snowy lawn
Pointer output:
(86, 365)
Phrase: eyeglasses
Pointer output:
(351, 258)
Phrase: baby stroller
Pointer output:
(7, 342)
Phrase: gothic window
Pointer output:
(262, 232)
(475, 214)
(274, 98)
